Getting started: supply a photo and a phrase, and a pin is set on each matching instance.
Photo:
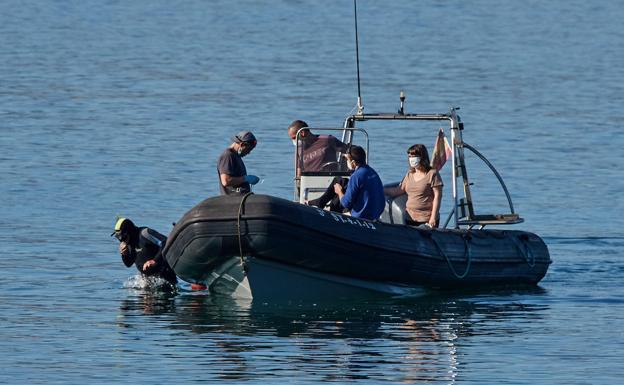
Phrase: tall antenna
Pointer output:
(357, 60)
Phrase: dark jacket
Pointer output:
(145, 245)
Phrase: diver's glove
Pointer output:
(252, 179)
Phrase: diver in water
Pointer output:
(142, 247)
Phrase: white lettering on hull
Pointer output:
(347, 219)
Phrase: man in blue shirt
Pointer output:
(364, 195)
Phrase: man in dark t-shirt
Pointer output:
(319, 151)
(233, 178)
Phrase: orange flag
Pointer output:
(441, 151)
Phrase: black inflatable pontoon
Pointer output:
(225, 238)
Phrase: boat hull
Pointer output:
(276, 235)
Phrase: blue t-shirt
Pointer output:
(364, 196)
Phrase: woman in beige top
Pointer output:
(423, 187)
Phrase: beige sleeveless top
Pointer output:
(420, 194)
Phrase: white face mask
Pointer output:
(414, 161)
(350, 165)
(294, 142)
(243, 151)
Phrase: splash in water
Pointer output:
(153, 283)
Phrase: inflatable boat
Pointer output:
(263, 246)
(260, 246)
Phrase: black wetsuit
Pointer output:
(146, 245)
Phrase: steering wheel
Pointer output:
(325, 166)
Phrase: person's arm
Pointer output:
(157, 240)
(338, 145)
(154, 263)
(231, 181)
(394, 191)
(126, 254)
(338, 191)
(398, 190)
(346, 198)
(435, 209)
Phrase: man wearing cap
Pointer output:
(233, 178)
(319, 151)
(142, 247)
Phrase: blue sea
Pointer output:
(122, 108)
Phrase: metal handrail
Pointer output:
(498, 176)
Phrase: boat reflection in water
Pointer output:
(400, 340)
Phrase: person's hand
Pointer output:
(432, 223)
(337, 188)
(148, 264)
(123, 249)
(252, 179)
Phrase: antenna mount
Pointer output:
(360, 107)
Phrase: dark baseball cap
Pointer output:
(245, 137)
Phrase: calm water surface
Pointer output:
(113, 108)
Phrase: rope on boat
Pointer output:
(527, 253)
(238, 228)
(467, 254)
